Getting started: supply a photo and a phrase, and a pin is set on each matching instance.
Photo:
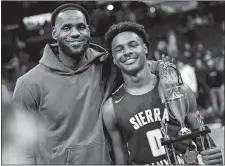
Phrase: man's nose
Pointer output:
(74, 32)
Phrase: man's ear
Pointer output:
(114, 61)
(54, 34)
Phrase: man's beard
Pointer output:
(72, 52)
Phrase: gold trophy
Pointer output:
(177, 105)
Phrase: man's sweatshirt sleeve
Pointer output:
(25, 96)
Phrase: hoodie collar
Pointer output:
(51, 61)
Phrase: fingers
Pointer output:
(213, 162)
(212, 156)
(210, 151)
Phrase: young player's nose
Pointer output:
(127, 51)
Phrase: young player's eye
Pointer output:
(133, 44)
(118, 49)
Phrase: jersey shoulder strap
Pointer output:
(119, 92)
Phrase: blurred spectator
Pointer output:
(6, 94)
(188, 51)
(187, 46)
(18, 65)
(172, 44)
(11, 70)
(161, 49)
(215, 83)
(203, 98)
(24, 58)
(188, 74)
(200, 66)
(10, 150)
(208, 55)
(200, 53)
(25, 63)
(220, 64)
(19, 130)
(187, 28)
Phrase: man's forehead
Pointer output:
(70, 15)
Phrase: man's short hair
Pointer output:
(68, 6)
(127, 26)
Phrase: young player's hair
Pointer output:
(127, 26)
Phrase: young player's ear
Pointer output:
(114, 61)
(54, 34)
(146, 49)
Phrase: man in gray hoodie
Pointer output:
(66, 91)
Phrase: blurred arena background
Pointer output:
(193, 32)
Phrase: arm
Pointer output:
(211, 156)
(24, 97)
(118, 143)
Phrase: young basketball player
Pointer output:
(133, 113)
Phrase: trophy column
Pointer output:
(170, 151)
(200, 120)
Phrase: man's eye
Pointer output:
(82, 27)
(66, 28)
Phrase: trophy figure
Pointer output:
(177, 103)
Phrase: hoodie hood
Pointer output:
(51, 61)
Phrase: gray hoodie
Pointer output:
(68, 103)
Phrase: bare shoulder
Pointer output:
(109, 114)
(108, 109)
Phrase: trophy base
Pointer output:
(184, 131)
(195, 133)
